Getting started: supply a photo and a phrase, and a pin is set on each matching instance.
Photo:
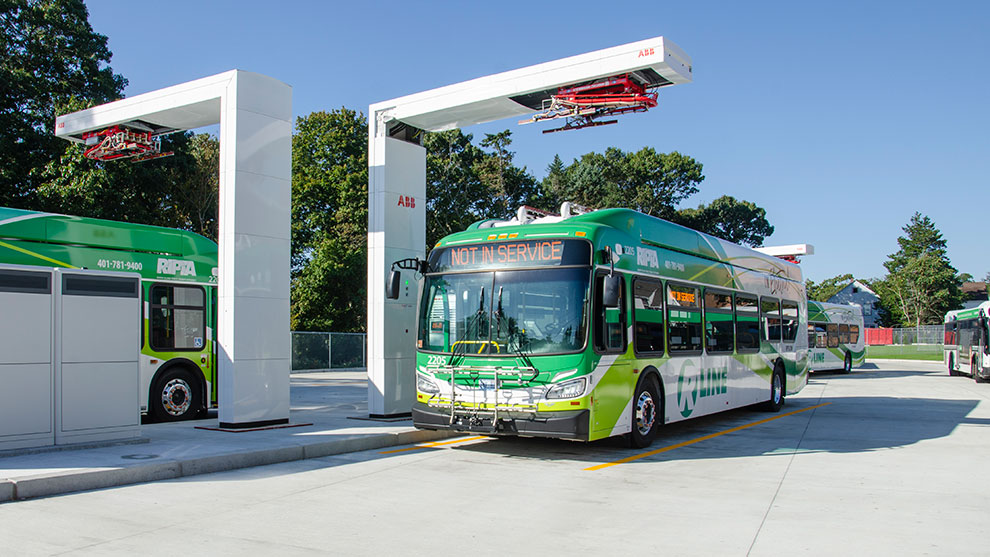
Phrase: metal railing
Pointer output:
(328, 351)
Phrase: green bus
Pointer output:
(597, 324)
(178, 361)
(966, 347)
(835, 336)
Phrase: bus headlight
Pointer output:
(568, 389)
(425, 385)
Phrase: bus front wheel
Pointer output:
(647, 414)
(847, 365)
(175, 396)
(776, 401)
(952, 365)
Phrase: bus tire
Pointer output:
(952, 365)
(977, 369)
(777, 389)
(175, 395)
(647, 412)
(847, 364)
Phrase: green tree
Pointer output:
(650, 182)
(455, 195)
(49, 55)
(741, 222)
(507, 186)
(921, 285)
(821, 292)
(466, 183)
(197, 195)
(329, 221)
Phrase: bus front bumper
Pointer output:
(571, 424)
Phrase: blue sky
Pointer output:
(841, 119)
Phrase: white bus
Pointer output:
(835, 336)
(966, 347)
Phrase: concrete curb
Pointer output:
(88, 479)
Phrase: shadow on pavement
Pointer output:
(847, 425)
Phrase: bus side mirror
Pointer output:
(392, 286)
(610, 291)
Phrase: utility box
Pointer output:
(97, 341)
(26, 370)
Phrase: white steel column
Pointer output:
(396, 230)
(255, 189)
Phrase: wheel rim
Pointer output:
(778, 388)
(646, 413)
(177, 397)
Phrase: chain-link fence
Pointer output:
(913, 343)
(925, 334)
(328, 351)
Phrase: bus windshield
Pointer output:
(505, 312)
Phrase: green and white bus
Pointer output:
(179, 273)
(606, 323)
(966, 348)
(835, 336)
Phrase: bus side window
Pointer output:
(821, 336)
(718, 322)
(844, 334)
(684, 318)
(747, 324)
(790, 323)
(178, 317)
(648, 316)
(811, 335)
(833, 335)
(610, 323)
(770, 319)
(853, 334)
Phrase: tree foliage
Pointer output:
(329, 221)
(466, 183)
(49, 57)
(921, 285)
(821, 292)
(645, 180)
(742, 222)
(653, 183)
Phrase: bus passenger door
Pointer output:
(610, 338)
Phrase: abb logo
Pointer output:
(406, 201)
(645, 52)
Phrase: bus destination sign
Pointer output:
(522, 253)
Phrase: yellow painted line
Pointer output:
(38, 255)
(435, 444)
(700, 439)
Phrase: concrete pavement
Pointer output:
(327, 400)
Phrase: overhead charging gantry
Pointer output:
(581, 90)
(255, 116)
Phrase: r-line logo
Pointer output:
(693, 384)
